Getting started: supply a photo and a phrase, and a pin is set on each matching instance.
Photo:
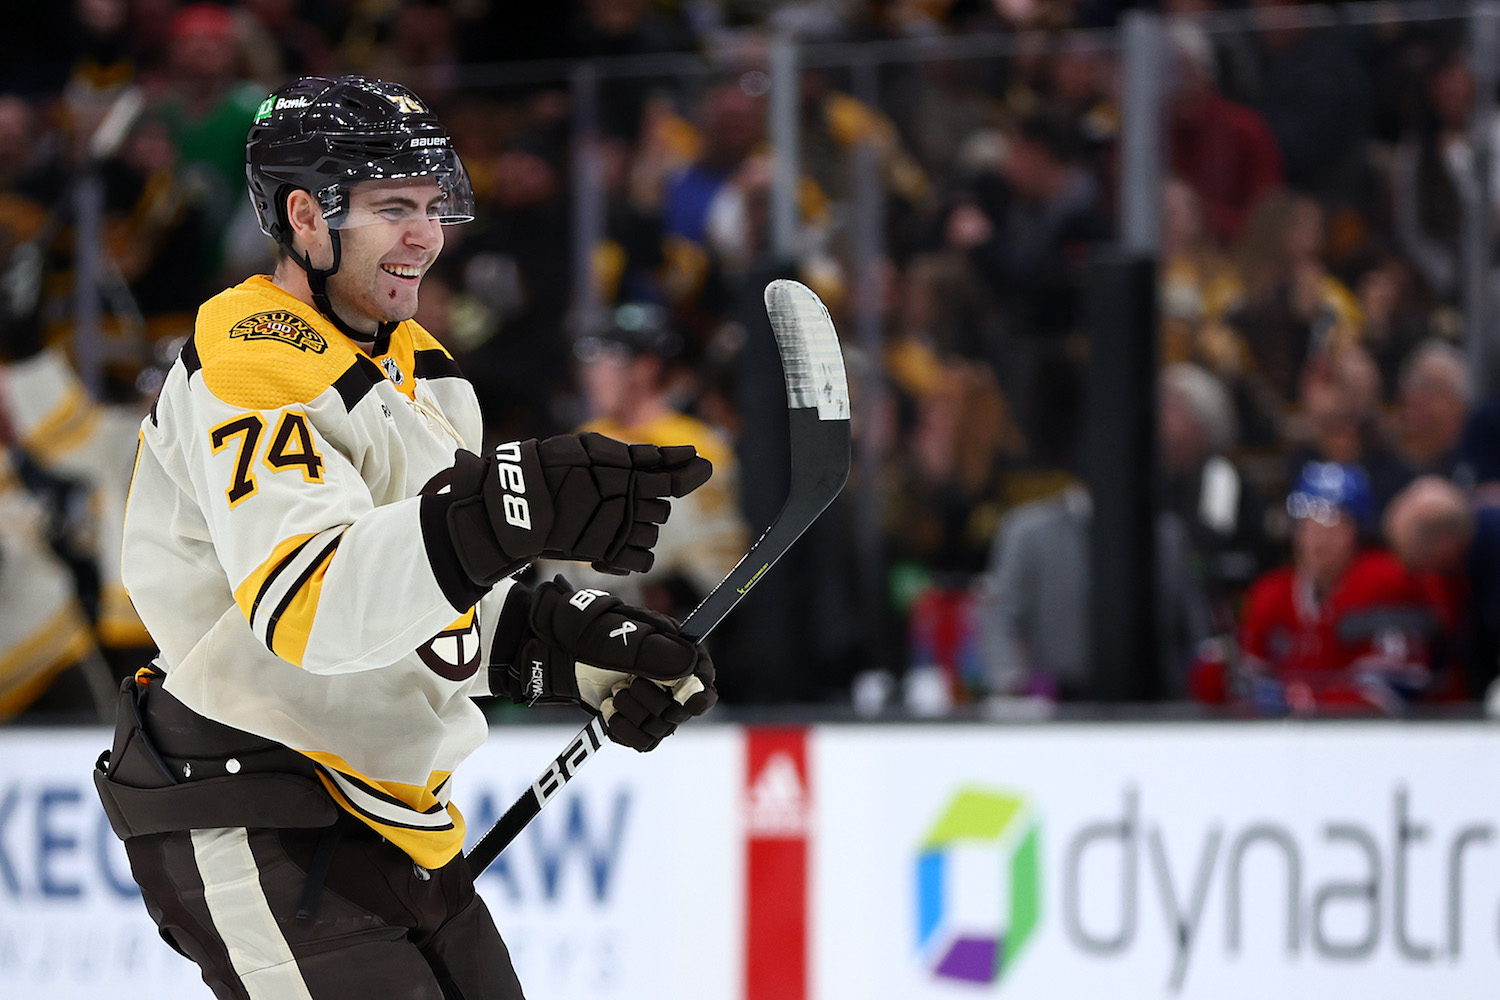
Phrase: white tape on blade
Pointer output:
(809, 347)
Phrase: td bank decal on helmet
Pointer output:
(274, 103)
(279, 324)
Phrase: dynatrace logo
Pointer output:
(978, 885)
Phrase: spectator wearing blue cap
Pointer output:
(1345, 627)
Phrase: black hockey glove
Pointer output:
(585, 647)
(573, 496)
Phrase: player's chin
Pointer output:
(401, 307)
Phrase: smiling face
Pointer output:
(388, 240)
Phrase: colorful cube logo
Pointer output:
(978, 885)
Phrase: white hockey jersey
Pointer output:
(74, 436)
(274, 548)
(43, 630)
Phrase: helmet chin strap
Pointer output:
(317, 281)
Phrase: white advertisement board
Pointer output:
(1192, 861)
(859, 863)
(596, 898)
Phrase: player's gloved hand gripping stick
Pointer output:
(818, 400)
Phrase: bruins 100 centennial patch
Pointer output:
(279, 324)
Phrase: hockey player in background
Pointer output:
(632, 388)
(325, 562)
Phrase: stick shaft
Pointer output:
(589, 741)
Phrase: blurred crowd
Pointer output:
(1328, 537)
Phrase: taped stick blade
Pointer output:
(811, 361)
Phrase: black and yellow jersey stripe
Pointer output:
(280, 599)
(421, 820)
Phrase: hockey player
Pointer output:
(324, 561)
(626, 372)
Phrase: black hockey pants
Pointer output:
(308, 903)
(229, 899)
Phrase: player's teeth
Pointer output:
(402, 271)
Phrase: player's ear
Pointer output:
(308, 228)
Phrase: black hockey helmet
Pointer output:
(631, 329)
(325, 134)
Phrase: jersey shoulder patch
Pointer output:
(283, 325)
(262, 348)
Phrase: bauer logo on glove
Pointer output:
(585, 647)
(574, 496)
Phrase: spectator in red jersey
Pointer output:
(1344, 627)
(1224, 150)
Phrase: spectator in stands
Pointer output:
(162, 240)
(1202, 486)
(938, 311)
(516, 268)
(1029, 231)
(32, 180)
(25, 151)
(612, 28)
(1399, 312)
(207, 104)
(420, 39)
(1339, 422)
(1434, 395)
(1344, 627)
(941, 104)
(1480, 466)
(1034, 602)
(636, 262)
(1432, 168)
(732, 123)
(1429, 527)
(945, 483)
(1292, 307)
(1316, 97)
(104, 58)
(288, 39)
(1224, 150)
(1198, 285)
(835, 127)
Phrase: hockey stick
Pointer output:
(818, 408)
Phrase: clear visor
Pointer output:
(420, 185)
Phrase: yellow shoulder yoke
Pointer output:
(262, 348)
